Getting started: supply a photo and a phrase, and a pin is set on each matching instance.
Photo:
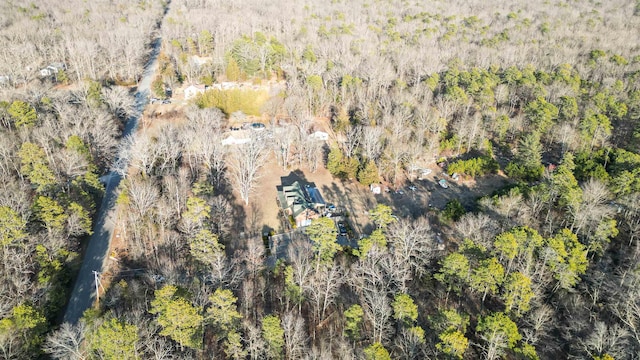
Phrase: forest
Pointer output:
(542, 95)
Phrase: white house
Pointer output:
(319, 135)
(52, 69)
(232, 140)
(192, 90)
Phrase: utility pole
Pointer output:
(96, 275)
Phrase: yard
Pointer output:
(356, 200)
(263, 210)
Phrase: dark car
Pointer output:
(342, 229)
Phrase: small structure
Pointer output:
(375, 188)
(52, 69)
(301, 203)
(423, 173)
(319, 135)
(192, 90)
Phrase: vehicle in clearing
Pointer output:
(342, 229)
(443, 183)
(257, 126)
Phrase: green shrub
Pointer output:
(453, 210)
(523, 172)
(474, 167)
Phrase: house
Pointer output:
(192, 90)
(235, 140)
(301, 204)
(52, 69)
(319, 135)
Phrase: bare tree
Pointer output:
(372, 142)
(202, 141)
(478, 227)
(411, 243)
(605, 340)
(245, 162)
(119, 101)
(295, 338)
(143, 196)
(593, 207)
(255, 345)
(378, 312)
(352, 141)
(283, 144)
(323, 288)
(66, 342)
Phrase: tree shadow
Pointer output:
(237, 216)
(295, 175)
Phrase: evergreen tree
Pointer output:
(368, 174)
(23, 114)
(273, 335)
(115, 339)
(179, 319)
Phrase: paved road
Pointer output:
(83, 295)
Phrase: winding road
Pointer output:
(84, 294)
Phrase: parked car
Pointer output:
(342, 229)
(257, 126)
(443, 183)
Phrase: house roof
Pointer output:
(232, 140)
(297, 198)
